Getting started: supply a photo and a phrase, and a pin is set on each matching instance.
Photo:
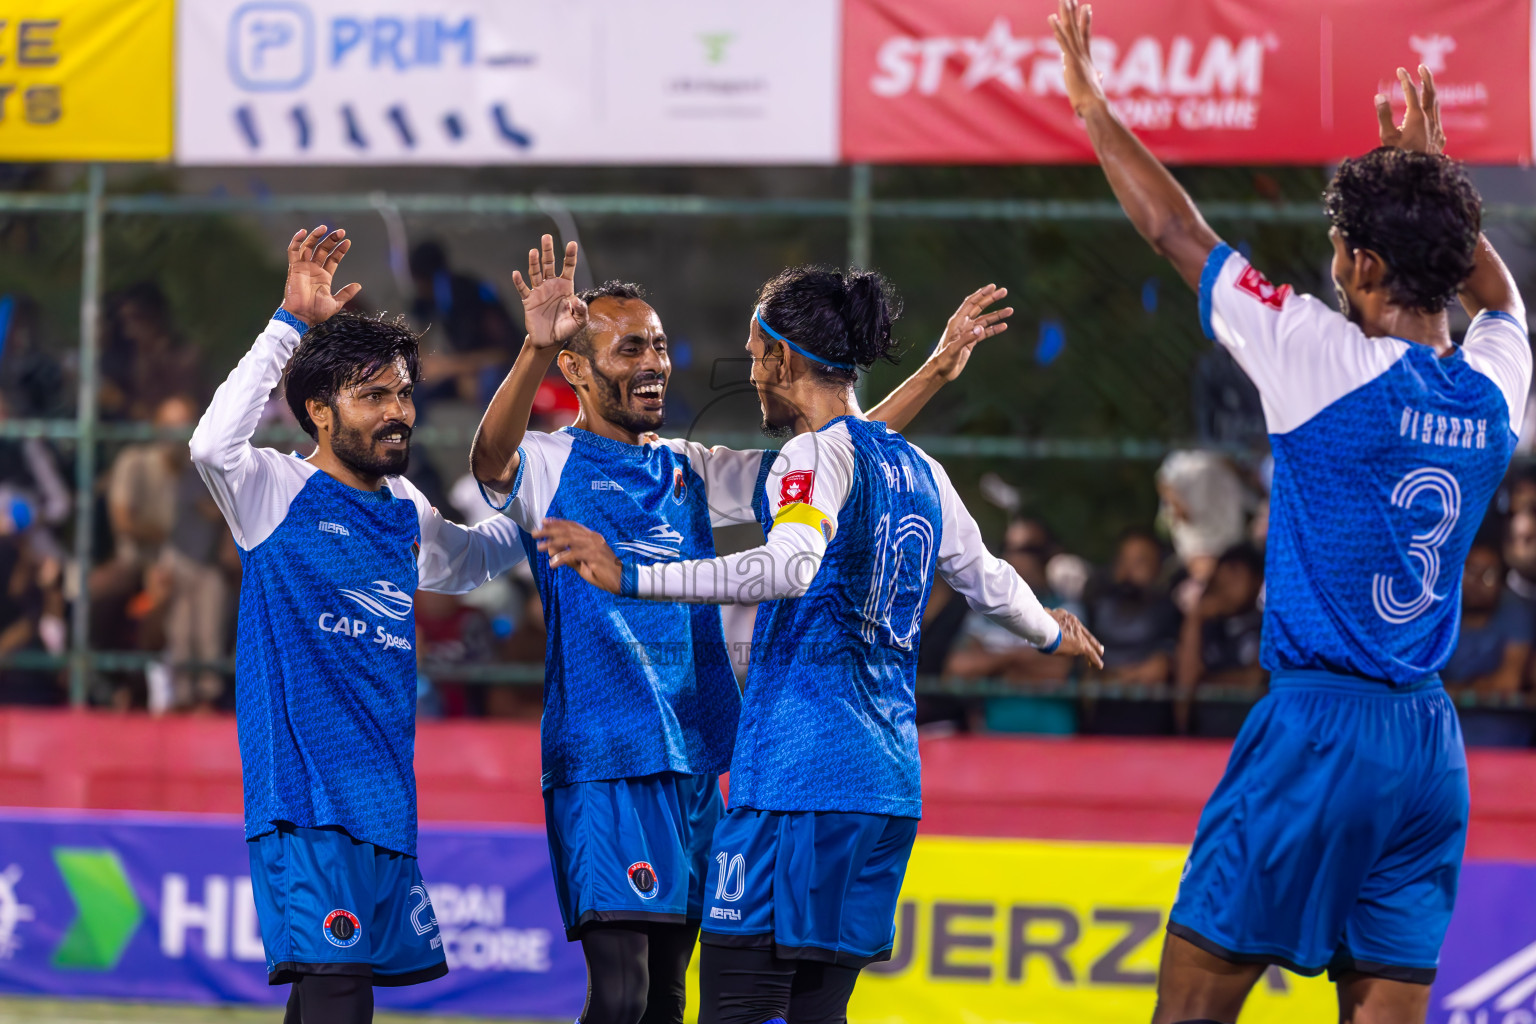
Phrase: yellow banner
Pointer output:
(1029, 932)
(86, 79)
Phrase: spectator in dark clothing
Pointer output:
(31, 376)
(472, 336)
(143, 360)
(1133, 615)
(1219, 644)
(28, 587)
(1491, 652)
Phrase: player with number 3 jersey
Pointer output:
(1335, 838)
(825, 789)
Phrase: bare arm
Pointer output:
(1157, 204)
(966, 327)
(554, 315)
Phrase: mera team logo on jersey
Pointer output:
(797, 486)
(384, 598)
(661, 542)
(1257, 285)
(342, 928)
(642, 879)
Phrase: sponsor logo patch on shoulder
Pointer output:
(342, 928)
(1257, 285)
(797, 486)
(642, 879)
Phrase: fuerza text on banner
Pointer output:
(86, 80)
(1047, 932)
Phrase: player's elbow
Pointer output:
(204, 447)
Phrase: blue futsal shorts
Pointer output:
(631, 849)
(330, 904)
(811, 885)
(1334, 839)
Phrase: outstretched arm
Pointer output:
(1157, 204)
(553, 315)
(970, 324)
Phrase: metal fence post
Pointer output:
(858, 215)
(85, 442)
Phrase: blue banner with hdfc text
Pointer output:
(159, 908)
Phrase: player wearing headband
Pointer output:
(640, 703)
(825, 795)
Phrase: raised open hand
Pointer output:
(1420, 131)
(1073, 25)
(552, 313)
(313, 257)
(970, 324)
(1076, 640)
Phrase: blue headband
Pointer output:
(811, 356)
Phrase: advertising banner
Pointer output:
(160, 909)
(506, 81)
(1207, 81)
(85, 80)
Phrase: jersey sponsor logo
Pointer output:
(724, 914)
(342, 928)
(334, 528)
(607, 485)
(797, 486)
(383, 598)
(660, 542)
(1443, 431)
(642, 879)
(1257, 285)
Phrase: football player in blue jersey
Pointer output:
(1334, 840)
(805, 869)
(333, 548)
(640, 703)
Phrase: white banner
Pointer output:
(507, 81)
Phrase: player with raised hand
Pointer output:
(805, 870)
(333, 547)
(1334, 840)
(640, 703)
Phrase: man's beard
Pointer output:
(778, 431)
(355, 451)
(616, 411)
(1350, 312)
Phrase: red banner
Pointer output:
(1201, 81)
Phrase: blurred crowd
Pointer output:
(1178, 604)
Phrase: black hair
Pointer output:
(1419, 212)
(1244, 555)
(582, 343)
(841, 316)
(427, 259)
(346, 349)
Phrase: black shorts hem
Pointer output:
(1232, 956)
(1345, 962)
(432, 973)
(840, 958)
(290, 971)
(601, 916)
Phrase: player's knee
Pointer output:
(611, 1001)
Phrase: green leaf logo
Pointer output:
(109, 911)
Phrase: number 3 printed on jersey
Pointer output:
(1427, 482)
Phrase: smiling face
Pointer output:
(621, 369)
(368, 425)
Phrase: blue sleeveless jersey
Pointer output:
(632, 687)
(827, 718)
(1385, 459)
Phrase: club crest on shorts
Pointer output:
(342, 928)
(642, 879)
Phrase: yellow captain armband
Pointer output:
(808, 515)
